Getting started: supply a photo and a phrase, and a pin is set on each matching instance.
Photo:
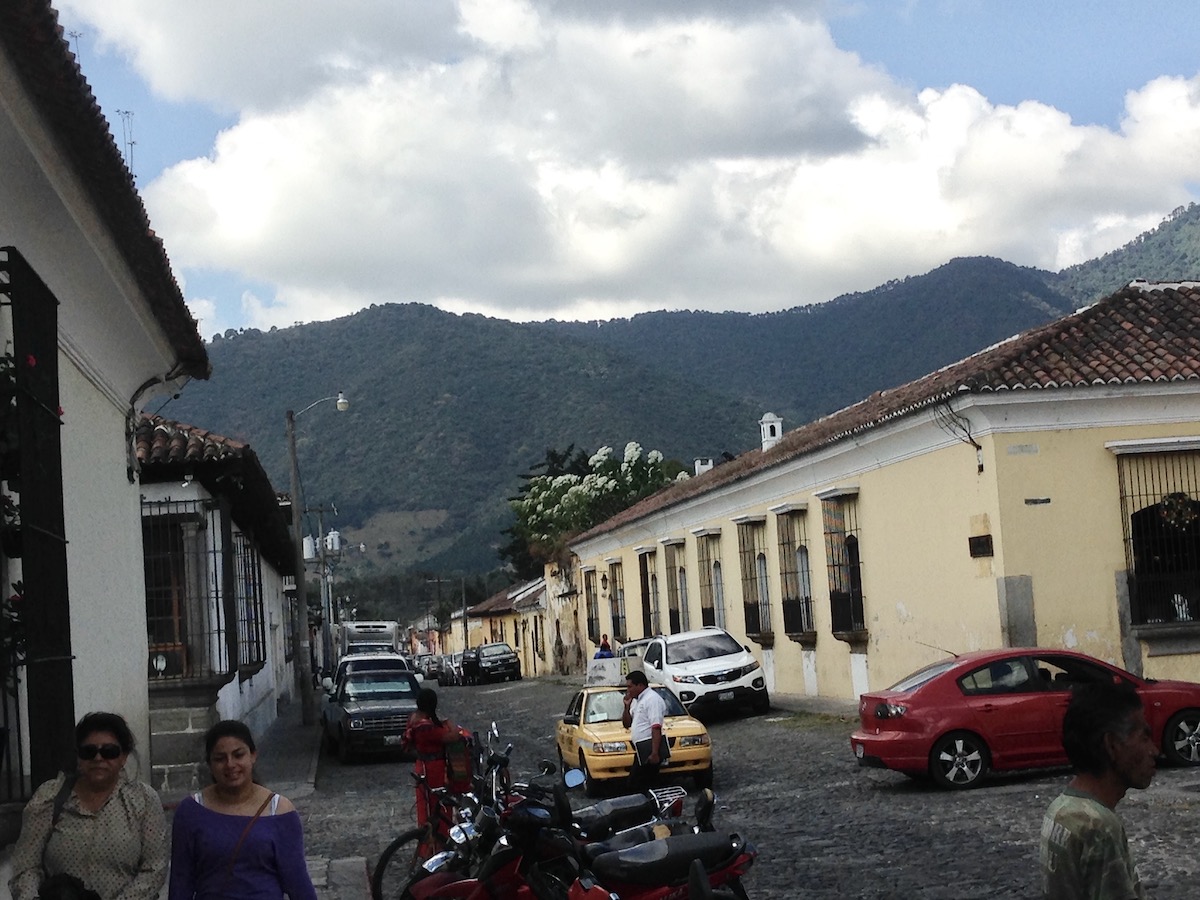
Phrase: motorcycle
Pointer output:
(526, 843)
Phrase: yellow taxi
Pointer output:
(592, 737)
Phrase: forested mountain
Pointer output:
(447, 411)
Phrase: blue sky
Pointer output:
(533, 159)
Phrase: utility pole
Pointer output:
(428, 615)
(326, 587)
(464, 612)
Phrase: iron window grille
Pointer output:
(795, 574)
(188, 605)
(252, 640)
(648, 578)
(843, 564)
(616, 599)
(1161, 530)
(676, 588)
(592, 598)
(756, 596)
(712, 600)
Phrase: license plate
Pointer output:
(392, 739)
(725, 695)
(858, 750)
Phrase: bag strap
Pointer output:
(237, 848)
(60, 801)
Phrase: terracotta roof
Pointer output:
(499, 603)
(170, 451)
(32, 38)
(1143, 333)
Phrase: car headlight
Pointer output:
(754, 665)
(610, 747)
(693, 740)
(887, 710)
(356, 723)
(686, 679)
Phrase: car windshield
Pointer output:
(355, 649)
(922, 676)
(494, 650)
(703, 646)
(379, 686)
(607, 706)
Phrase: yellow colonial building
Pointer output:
(1040, 492)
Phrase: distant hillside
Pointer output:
(448, 411)
(1170, 252)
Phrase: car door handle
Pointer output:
(988, 707)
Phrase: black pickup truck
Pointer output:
(498, 662)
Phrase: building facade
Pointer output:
(1041, 492)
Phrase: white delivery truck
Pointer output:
(369, 637)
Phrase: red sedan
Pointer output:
(958, 718)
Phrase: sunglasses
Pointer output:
(104, 751)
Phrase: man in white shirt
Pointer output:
(643, 715)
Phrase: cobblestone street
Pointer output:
(787, 781)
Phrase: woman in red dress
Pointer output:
(427, 736)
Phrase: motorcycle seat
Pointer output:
(606, 816)
(630, 837)
(666, 861)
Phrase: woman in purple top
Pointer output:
(236, 840)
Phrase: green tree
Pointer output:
(553, 508)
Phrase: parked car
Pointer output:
(957, 719)
(362, 662)
(369, 711)
(449, 672)
(590, 735)
(705, 669)
(432, 667)
(498, 662)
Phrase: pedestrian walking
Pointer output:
(1084, 850)
(644, 715)
(95, 826)
(427, 737)
(237, 840)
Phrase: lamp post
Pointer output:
(300, 649)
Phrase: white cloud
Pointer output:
(541, 159)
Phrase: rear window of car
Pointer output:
(380, 686)
(495, 650)
(923, 676)
(703, 647)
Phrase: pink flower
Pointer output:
(30, 360)
(60, 412)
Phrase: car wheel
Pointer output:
(345, 754)
(327, 745)
(591, 787)
(704, 778)
(959, 760)
(762, 704)
(1181, 738)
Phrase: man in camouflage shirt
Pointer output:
(1084, 852)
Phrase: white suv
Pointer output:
(705, 668)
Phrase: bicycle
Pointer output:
(413, 848)
(408, 852)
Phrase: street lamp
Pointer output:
(301, 660)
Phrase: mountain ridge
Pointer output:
(448, 411)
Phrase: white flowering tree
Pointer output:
(556, 506)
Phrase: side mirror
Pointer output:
(573, 777)
(570, 720)
(420, 677)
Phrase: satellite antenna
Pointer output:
(127, 134)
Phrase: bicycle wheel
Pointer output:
(398, 863)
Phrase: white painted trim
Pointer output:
(755, 519)
(784, 508)
(612, 560)
(587, 569)
(672, 541)
(707, 532)
(832, 493)
(643, 549)
(1154, 445)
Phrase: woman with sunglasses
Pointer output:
(96, 824)
(236, 839)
